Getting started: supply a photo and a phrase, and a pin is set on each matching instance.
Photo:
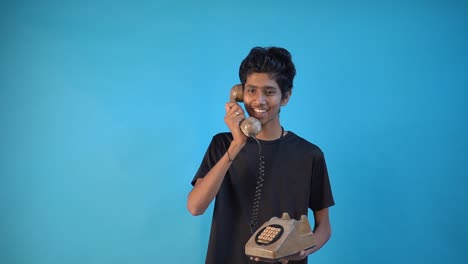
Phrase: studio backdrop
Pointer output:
(107, 108)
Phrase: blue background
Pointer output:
(107, 108)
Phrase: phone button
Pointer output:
(269, 234)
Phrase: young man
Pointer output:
(290, 171)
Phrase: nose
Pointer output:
(259, 98)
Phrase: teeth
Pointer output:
(259, 111)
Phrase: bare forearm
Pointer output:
(322, 230)
(321, 236)
(207, 187)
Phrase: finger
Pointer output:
(265, 260)
(236, 112)
(232, 107)
(229, 106)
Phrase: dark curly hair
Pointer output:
(275, 61)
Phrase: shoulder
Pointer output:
(221, 139)
(223, 136)
(304, 145)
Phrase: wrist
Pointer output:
(236, 146)
(234, 149)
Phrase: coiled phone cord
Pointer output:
(258, 188)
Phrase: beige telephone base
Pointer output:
(280, 237)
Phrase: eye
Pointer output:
(270, 92)
(251, 90)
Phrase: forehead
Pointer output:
(260, 80)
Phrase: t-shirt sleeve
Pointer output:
(321, 194)
(212, 155)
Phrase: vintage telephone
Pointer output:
(280, 237)
(249, 126)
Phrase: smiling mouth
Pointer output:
(259, 111)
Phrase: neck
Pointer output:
(272, 133)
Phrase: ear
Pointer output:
(285, 99)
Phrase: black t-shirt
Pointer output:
(295, 179)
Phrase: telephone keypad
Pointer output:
(269, 234)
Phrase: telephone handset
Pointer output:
(280, 237)
(249, 126)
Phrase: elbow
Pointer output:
(195, 204)
(194, 210)
(329, 232)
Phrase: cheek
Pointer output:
(247, 101)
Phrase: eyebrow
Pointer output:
(263, 87)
